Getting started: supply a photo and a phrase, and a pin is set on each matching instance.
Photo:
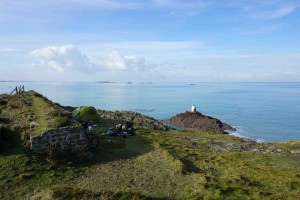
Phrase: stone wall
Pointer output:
(65, 139)
(1, 127)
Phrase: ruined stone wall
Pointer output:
(65, 139)
(1, 127)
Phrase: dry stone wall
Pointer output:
(1, 127)
(65, 139)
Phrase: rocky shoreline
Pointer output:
(198, 122)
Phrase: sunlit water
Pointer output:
(260, 111)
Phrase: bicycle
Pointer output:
(93, 140)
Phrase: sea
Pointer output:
(264, 112)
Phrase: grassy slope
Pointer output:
(235, 174)
(162, 165)
(23, 109)
(167, 165)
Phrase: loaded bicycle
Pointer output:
(93, 140)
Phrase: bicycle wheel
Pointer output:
(93, 141)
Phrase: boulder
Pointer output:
(295, 151)
(34, 124)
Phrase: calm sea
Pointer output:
(263, 112)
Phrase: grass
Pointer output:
(47, 114)
(71, 193)
(22, 173)
(159, 165)
(22, 109)
(151, 165)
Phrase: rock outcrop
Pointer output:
(198, 122)
(137, 118)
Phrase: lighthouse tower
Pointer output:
(193, 109)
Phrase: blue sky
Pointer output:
(150, 40)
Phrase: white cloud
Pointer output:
(115, 4)
(182, 4)
(273, 13)
(67, 4)
(116, 61)
(7, 50)
(37, 10)
(265, 29)
(263, 75)
(156, 51)
(195, 66)
(68, 58)
(10, 51)
(156, 45)
(268, 9)
(62, 58)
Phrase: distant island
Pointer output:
(146, 82)
(105, 82)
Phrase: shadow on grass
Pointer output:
(77, 193)
(189, 167)
(118, 148)
(11, 148)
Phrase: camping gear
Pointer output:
(119, 127)
(112, 132)
(84, 114)
(121, 130)
(129, 128)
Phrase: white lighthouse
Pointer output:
(193, 109)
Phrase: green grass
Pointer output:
(39, 106)
(161, 165)
(65, 193)
(22, 173)
(151, 165)
(22, 109)
(47, 114)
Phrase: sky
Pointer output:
(150, 40)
